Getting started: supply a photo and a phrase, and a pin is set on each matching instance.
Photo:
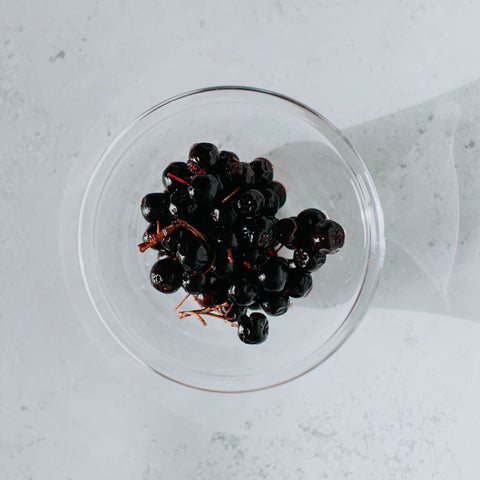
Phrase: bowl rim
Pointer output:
(374, 222)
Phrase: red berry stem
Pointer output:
(168, 230)
(195, 313)
(211, 311)
(178, 179)
(231, 195)
(180, 302)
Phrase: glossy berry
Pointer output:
(225, 158)
(253, 258)
(213, 294)
(193, 255)
(171, 242)
(271, 202)
(164, 254)
(224, 238)
(202, 156)
(249, 203)
(308, 218)
(299, 283)
(204, 188)
(327, 237)
(166, 276)
(147, 234)
(181, 205)
(176, 177)
(243, 292)
(224, 264)
(154, 206)
(237, 312)
(280, 191)
(253, 329)
(275, 303)
(286, 231)
(239, 174)
(194, 283)
(256, 305)
(223, 250)
(310, 261)
(224, 214)
(272, 276)
(263, 170)
(257, 233)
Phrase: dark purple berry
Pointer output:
(243, 292)
(171, 242)
(154, 206)
(225, 158)
(222, 237)
(238, 174)
(181, 205)
(202, 156)
(213, 294)
(193, 255)
(310, 261)
(166, 275)
(151, 230)
(223, 264)
(273, 274)
(271, 202)
(194, 283)
(256, 305)
(308, 218)
(224, 214)
(164, 254)
(249, 203)
(237, 312)
(280, 191)
(176, 177)
(275, 303)
(299, 283)
(253, 258)
(257, 233)
(263, 170)
(286, 231)
(253, 329)
(327, 237)
(204, 188)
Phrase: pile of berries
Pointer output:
(217, 236)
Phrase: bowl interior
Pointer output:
(318, 168)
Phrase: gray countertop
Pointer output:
(400, 399)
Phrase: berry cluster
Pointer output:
(217, 236)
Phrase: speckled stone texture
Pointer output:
(400, 399)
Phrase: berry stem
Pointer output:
(168, 230)
(231, 195)
(178, 179)
(222, 305)
(194, 313)
(229, 309)
(224, 318)
(211, 311)
(211, 264)
(180, 302)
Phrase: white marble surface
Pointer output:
(400, 399)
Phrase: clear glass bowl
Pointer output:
(319, 168)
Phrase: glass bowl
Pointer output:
(318, 167)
